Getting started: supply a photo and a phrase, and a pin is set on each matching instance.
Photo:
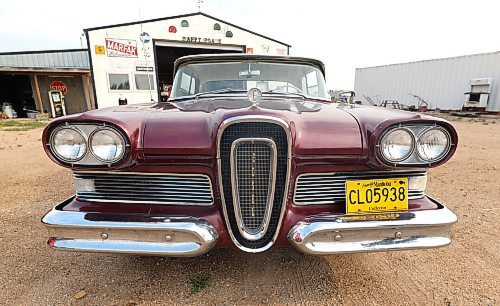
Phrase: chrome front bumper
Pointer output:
(340, 234)
(129, 233)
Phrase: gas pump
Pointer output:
(57, 103)
(165, 91)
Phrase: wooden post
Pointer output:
(89, 91)
(37, 88)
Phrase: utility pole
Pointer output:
(198, 4)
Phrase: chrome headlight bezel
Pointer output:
(89, 159)
(414, 159)
(393, 130)
(445, 151)
(117, 133)
(53, 146)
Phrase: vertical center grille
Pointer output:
(253, 170)
(253, 173)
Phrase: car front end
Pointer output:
(249, 153)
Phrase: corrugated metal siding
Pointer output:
(63, 59)
(441, 82)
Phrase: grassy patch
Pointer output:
(20, 125)
(200, 282)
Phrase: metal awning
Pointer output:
(52, 61)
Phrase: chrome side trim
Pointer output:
(340, 234)
(236, 194)
(143, 234)
(254, 118)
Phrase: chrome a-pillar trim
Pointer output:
(340, 234)
(254, 118)
(235, 189)
(143, 234)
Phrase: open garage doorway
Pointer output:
(168, 52)
(16, 90)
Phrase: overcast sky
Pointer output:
(343, 34)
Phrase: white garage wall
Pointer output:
(441, 82)
(200, 25)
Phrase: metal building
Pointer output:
(27, 77)
(455, 83)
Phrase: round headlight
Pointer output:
(68, 144)
(397, 145)
(107, 145)
(433, 144)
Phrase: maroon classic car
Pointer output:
(249, 152)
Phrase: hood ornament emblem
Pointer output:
(254, 95)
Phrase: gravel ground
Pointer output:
(467, 272)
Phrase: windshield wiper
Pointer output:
(224, 90)
(285, 93)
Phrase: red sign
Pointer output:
(58, 85)
(121, 47)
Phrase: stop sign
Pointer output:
(58, 85)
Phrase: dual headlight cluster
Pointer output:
(419, 144)
(87, 144)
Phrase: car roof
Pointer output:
(203, 58)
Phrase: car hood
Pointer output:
(191, 126)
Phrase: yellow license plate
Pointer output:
(369, 196)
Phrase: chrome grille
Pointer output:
(253, 172)
(234, 191)
(329, 188)
(175, 189)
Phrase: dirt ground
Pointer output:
(465, 273)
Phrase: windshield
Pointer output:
(238, 77)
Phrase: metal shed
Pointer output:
(446, 84)
(27, 77)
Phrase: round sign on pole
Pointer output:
(145, 38)
(58, 85)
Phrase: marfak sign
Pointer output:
(58, 85)
(121, 47)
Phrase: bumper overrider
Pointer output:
(340, 234)
(191, 236)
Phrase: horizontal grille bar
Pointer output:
(329, 188)
(171, 189)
